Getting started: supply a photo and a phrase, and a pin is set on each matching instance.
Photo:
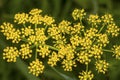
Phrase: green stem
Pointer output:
(53, 48)
(46, 27)
(36, 52)
(107, 50)
(24, 25)
(86, 67)
(101, 28)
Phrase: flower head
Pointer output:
(11, 54)
(78, 14)
(101, 66)
(36, 67)
(86, 75)
(116, 51)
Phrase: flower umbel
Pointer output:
(36, 67)
(68, 44)
(11, 54)
(86, 75)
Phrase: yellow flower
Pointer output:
(86, 42)
(10, 54)
(75, 41)
(53, 59)
(48, 20)
(43, 51)
(25, 51)
(78, 14)
(35, 11)
(38, 38)
(116, 51)
(36, 67)
(107, 18)
(113, 29)
(84, 57)
(103, 39)
(10, 32)
(94, 20)
(21, 18)
(68, 64)
(35, 19)
(91, 33)
(27, 31)
(64, 26)
(96, 51)
(66, 51)
(101, 66)
(76, 28)
(86, 75)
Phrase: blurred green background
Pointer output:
(59, 9)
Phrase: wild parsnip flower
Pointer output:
(43, 51)
(107, 18)
(10, 54)
(101, 66)
(66, 51)
(94, 20)
(53, 59)
(75, 40)
(64, 26)
(116, 51)
(86, 75)
(76, 28)
(96, 51)
(10, 32)
(68, 64)
(21, 18)
(103, 39)
(78, 14)
(36, 67)
(85, 42)
(25, 51)
(35, 19)
(113, 29)
(84, 57)
(38, 37)
(66, 42)
(27, 31)
(54, 32)
(48, 20)
(35, 11)
(91, 33)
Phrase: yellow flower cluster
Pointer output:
(96, 51)
(27, 31)
(25, 51)
(66, 42)
(103, 39)
(53, 59)
(101, 66)
(11, 54)
(113, 29)
(10, 32)
(116, 51)
(36, 67)
(21, 18)
(84, 57)
(86, 75)
(107, 18)
(43, 51)
(94, 19)
(78, 14)
(38, 37)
